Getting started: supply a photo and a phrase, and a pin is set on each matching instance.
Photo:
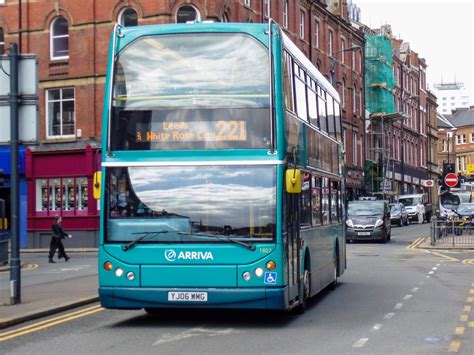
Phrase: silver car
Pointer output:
(398, 214)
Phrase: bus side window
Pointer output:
(288, 83)
(334, 202)
(316, 200)
(305, 202)
(325, 211)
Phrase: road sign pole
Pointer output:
(15, 276)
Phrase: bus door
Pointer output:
(293, 243)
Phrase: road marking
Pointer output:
(444, 256)
(407, 297)
(471, 292)
(470, 324)
(377, 327)
(415, 289)
(435, 268)
(470, 299)
(459, 330)
(398, 306)
(431, 272)
(454, 347)
(49, 323)
(360, 343)
(389, 315)
(194, 332)
(467, 308)
(463, 318)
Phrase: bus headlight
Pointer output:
(118, 272)
(258, 272)
(130, 276)
(246, 276)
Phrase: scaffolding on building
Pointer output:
(379, 85)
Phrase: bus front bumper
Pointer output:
(140, 297)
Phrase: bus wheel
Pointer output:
(336, 268)
(301, 308)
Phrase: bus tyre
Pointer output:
(333, 284)
(301, 308)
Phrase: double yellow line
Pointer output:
(49, 323)
(416, 243)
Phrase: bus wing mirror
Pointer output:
(97, 180)
(293, 181)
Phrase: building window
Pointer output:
(62, 194)
(285, 14)
(461, 163)
(60, 113)
(187, 13)
(2, 41)
(267, 8)
(128, 17)
(302, 16)
(461, 139)
(472, 137)
(330, 48)
(247, 3)
(343, 48)
(225, 18)
(59, 38)
(316, 33)
(354, 148)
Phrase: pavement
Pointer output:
(64, 286)
(65, 290)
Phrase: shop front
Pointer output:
(6, 186)
(58, 183)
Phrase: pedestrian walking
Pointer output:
(56, 241)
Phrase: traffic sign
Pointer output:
(451, 180)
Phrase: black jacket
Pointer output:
(58, 231)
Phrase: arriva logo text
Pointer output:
(171, 255)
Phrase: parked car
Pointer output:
(368, 220)
(417, 206)
(465, 210)
(399, 214)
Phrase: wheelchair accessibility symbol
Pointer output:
(270, 278)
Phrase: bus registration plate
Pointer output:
(187, 296)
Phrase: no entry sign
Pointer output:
(451, 180)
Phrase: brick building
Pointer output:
(71, 41)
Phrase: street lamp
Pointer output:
(333, 61)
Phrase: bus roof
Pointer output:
(312, 69)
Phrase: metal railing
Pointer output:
(452, 232)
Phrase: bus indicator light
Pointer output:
(271, 265)
(108, 266)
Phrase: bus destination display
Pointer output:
(210, 131)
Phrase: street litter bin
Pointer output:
(4, 248)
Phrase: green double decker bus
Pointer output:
(221, 183)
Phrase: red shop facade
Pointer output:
(60, 182)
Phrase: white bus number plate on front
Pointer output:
(187, 296)
(363, 233)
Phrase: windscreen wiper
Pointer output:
(139, 239)
(221, 237)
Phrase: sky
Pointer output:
(441, 31)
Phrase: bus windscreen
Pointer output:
(181, 91)
(191, 204)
